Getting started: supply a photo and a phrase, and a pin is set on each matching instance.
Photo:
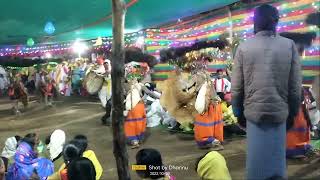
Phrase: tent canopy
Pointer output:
(88, 19)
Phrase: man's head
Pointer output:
(266, 18)
(220, 73)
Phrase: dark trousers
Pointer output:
(233, 129)
(106, 119)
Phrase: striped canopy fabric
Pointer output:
(239, 20)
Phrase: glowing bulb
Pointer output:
(79, 47)
(48, 55)
(140, 41)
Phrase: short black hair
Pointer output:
(219, 70)
(83, 142)
(266, 18)
(149, 157)
(47, 140)
(30, 139)
(70, 152)
(81, 169)
(18, 138)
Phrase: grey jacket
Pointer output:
(266, 78)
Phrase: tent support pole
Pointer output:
(118, 58)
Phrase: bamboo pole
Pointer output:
(118, 60)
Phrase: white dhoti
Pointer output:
(105, 92)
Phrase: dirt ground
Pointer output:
(77, 115)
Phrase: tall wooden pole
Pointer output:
(117, 75)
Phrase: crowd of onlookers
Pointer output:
(55, 158)
(27, 158)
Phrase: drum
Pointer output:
(93, 83)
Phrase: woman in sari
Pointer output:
(27, 164)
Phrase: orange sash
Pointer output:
(209, 126)
(135, 123)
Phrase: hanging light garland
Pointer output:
(292, 19)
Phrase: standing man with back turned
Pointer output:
(266, 90)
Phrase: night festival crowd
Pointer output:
(261, 100)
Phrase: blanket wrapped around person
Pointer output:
(27, 164)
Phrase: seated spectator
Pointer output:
(27, 165)
(212, 166)
(81, 169)
(83, 142)
(69, 153)
(55, 147)
(9, 150)
(152, 157)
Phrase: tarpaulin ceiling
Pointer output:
(87, 19)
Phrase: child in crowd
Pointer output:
(81, 169)
(9, 150)
(151, 157)
(212, 166)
